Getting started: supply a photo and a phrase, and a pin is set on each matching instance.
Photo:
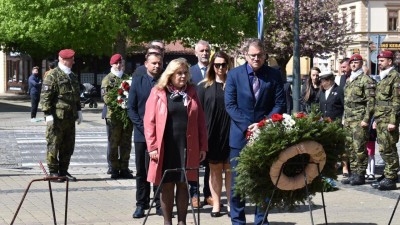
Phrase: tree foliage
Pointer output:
(99, 27)
(321, 29)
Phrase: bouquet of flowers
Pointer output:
(266, 147)
(119, 106)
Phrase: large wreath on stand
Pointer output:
(300, 142)
(118, 106)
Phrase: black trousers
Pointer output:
(142, 160)
(34, 103)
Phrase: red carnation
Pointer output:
(262, 123)
(120, 101)
(301, 115)
(120, 91)
(276, 117)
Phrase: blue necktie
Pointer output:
(255, 84)
(203, 71)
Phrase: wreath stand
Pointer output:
(48, 179)
(303, 164)
(177, 170)
(394, 210)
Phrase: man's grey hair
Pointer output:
(255, 42)
(201, 42)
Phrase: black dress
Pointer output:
(218, 122)
(175, 138)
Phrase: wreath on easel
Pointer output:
(288, 140)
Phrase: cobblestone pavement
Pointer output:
(97, 199)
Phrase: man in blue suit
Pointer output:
(253, 91)
(138, 94)
(202, 51)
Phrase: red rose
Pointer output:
(120, 101)
(120, 91)
(301, 115)
(276, 117)
(248, 134)
(261, 123)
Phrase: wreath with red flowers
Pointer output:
(119, 106)
(274, 136)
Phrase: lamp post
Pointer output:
(296, 59)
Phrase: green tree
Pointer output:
(99, 27)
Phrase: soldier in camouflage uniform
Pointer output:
(387, 108)
(119, 137)
(359, 100)
(60, 103)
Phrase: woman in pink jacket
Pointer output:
(175, 131)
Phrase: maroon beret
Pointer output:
(66, 53)
(385, 54)
(355, 57)
(115, 59)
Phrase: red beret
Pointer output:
(356, 57)
(385, 54)
(115, 59)
(66, 53)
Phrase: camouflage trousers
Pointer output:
(387, 149)
(60, 137)
(120, 144)
(356, 146)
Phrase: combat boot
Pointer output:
(357, 180)
(114, 174)
(347, 180)
(125, 174)
(64, 173)
(385, 185)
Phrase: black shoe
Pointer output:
(114, 174)
(385, 185)
(52, 177)
(357, 180)
(109, 171)
(347, 180)
(125, 174)
(139, 212)
(159, 212)
(380, 178)
(215, 214)
(68, 176)
(130, 171)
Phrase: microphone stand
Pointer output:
(183, 170)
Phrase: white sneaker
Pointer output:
(33, 120)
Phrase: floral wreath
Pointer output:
(119, 106)
(288, 140)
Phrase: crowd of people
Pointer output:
(182, 117)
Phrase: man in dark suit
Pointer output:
(253, 91)
(202, 51)
(138, 94)
(345, 71)
(198, 72)
(331, 100)
(154, 46)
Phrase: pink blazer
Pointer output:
(154, 125)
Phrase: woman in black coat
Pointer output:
(211, 93)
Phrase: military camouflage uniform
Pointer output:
(387, 109)
(60, 98)
(359, 100)
(119, 138)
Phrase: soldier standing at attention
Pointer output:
(387, 108)
(119, 137)
(359, 101)
(60, 103)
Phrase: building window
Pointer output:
(353, 20)
(393, 18)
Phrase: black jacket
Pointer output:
(332, 107)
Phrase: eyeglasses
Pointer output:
(253, 56)
(220, 65)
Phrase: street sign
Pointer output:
(260, 20)
(374, 56)
(377, 39)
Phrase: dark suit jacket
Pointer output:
(332, 107)
(289, 99)
(342, 83)
(138, 94)
(195, 71)
(140, 70)
(242, 106)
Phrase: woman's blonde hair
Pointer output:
(210, 74)
(172, 67)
